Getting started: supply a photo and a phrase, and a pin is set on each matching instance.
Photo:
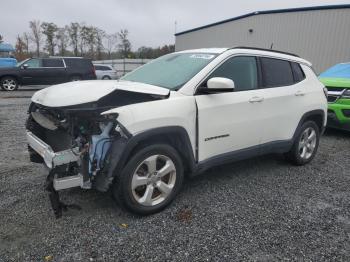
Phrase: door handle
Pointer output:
(299, 93)
(256, 99)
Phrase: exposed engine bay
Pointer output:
(80, 146)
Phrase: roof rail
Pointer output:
(264, 49)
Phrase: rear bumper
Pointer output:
(51, 158)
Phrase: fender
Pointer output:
(122, 149)
(307, 115)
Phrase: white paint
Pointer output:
(80, 92)
(238, 119)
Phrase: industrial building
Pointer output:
(319, 34)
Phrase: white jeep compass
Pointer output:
(173, 117)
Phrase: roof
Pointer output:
(277, 11)
(250, 51)
(6, 48)
(205, 50)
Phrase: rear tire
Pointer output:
(305, 145)
(150, 180)
(75, 78)
(9, 83)
(106, 78)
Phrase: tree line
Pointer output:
(79, 39)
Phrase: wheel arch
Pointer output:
(11, 75)
(317, 116)
(175, 136)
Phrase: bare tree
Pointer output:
(100, 35)
(73, 32)
(111, 44)
(36, 34)
(83, 38)
(25, 38)
(50, 30)
(62, 38)
(21, 49)
(1, 39)
(125, 45)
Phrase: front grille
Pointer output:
(337, 89)
(332, 99)
(334, 93)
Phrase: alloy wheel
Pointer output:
(307, 143)
(153, 180)
(9, 84)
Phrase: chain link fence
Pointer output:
(123, 66)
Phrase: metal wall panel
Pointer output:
(321, 36)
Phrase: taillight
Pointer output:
(93, 70)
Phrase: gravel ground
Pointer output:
(258, 210)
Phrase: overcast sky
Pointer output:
(150, 22)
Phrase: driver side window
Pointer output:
(242, 70)
(34, 63)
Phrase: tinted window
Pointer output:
(102, 68)
(276, 72)
(53, 63)
(242, 70)
(78, 62)
(298, 72)
(33, 63)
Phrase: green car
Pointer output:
(337, 81)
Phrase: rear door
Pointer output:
(284, 98)
(230, 121)
(54, 71)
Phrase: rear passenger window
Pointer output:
(242, 70)
(297, 72)
(276, 72)
(53, 63)
(78, 62)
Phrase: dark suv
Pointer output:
(46, 71)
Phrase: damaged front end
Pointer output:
(80, 146)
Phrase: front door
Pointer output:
(32, 72)
(231, 121)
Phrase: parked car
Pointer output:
(105, 72)
(46, 71)
(6, 55)
(337, 81)
(176, 116)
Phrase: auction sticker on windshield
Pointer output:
(202, 56)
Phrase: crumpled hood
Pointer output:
(81, 92)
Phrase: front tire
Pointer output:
(106, 78)
(150, 180)
(9, 83)
(305, 145)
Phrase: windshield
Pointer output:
(170, 71)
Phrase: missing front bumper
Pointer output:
(52, 159)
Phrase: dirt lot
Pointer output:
(259, 210)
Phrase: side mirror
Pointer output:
(25, 66)
(220, 84)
